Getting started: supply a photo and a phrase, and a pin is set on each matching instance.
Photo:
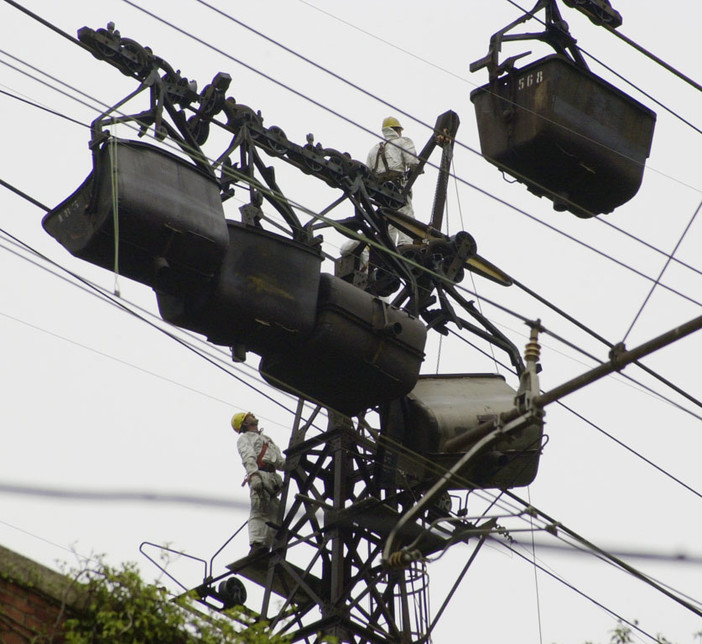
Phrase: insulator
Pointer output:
(402, 558)
(532, 352)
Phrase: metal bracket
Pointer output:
(556, 34)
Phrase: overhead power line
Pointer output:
(121, 496)
(356, 124)
(465, 182)
(663, 380)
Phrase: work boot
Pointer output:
(257, 549)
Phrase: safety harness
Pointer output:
(265, 467)
(387, 175)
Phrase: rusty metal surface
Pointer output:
(168, 210)
(264, 296)
(362, 352)
(566, 133)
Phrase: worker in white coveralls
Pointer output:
(391, 160)
(261, 458)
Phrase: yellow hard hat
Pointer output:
(238, 419)
(391, 121)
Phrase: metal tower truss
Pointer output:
(181, 116)
(325, 575)
(334, 341)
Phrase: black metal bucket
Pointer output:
(566, 133)
(362, 352)
(264, 298)
(170, 216)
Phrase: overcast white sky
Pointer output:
(94, 399)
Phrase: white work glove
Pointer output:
(256, 482)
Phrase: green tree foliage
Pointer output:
(120, 608)
(622, 634)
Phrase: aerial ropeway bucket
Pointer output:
(362, 352)
(145, 213)
(566, 133)
(263, 298)
(440, 408)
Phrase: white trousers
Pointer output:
(264, 508)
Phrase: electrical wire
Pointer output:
(572, 238)
(610, 345)
(630, 42)
(660, 275)
(601, 430)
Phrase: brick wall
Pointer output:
(34, 601)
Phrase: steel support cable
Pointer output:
(580, 325)
(575, 548)
(620, 563)
(192, 338)
(654, 58)
(112, 357)
(572, 546)
(601, 339)
(78, 91)
(534, 218)
(120, 305)
(640, 49)
(602, 430)
(634, 625)
(104, 295)
(46, 84)
(386, 42)
(46, 23)
(48, 541)
(41, 107)
(660, 275)
(648, 245)
(646, 94)
(632, 450)
(467, 183)
(309, 61)
(24, 195)
(617, 363)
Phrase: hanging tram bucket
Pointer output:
(362, 352)
(170, 221)
(566, 133)
(415, 429)
(264, 297)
